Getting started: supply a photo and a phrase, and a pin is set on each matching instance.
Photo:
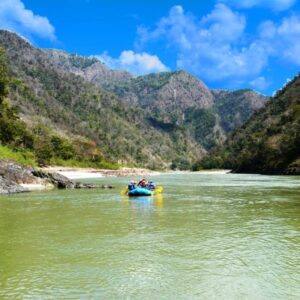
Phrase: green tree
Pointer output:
(4, 80)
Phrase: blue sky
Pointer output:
(229, 44)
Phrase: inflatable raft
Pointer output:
(140, 192)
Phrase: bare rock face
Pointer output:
(185, 91)
(58, 180)
(16, 173)
(10, 187)
(62, 182)
(13, 174)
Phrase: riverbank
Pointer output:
(86, 173)
(15, 178)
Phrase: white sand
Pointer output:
(215, 172)
(86, 173)
(37, 186)
(81, 174)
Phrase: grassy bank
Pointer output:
(22, 157)
(27, 158)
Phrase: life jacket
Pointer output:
(131, 186)
(151, 186)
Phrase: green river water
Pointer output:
(209, 236)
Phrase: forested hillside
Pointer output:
(35, 143)
(47, 96)
(171, 100)
(269, 142)
(157, 121)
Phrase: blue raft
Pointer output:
(140, 192)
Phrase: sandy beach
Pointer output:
(86, 173)
(90, 173)
(215, 172)
(37, 186)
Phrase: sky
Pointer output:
(228, 44)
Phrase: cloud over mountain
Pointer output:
(211, 47)
(218, 48)
(14, 16)
(283, 38)
(135, 63)
(278, 5)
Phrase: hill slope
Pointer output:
(269, 142)
(172, 100)
(47, 94)
(151, 120)
(89, 68)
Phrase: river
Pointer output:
(209, 236)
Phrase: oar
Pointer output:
(124, 191)
(159, 189)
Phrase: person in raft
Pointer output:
(143, 183)
(151, 186)
(131, 185)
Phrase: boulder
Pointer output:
(17, 173)
(58, 180)
(12, 175)
(295, 170)
(9, 187)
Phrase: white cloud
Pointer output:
(217, 48)
(260, 83)
(211, 47)
(278, 5)
(14, 16)
(223, 24)
(283, 39)
(136, 63)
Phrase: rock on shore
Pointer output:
(12, 175)
(294, 170)
(10, 187)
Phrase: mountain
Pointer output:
(172, 100)
(168, 91)
(89, 68)
(47, 95)
(269, 142)
(151, 120)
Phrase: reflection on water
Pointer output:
(145, 202)
(206, 237)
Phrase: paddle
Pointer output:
(159, 189)
(124, 191)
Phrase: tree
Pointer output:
(4, 80)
